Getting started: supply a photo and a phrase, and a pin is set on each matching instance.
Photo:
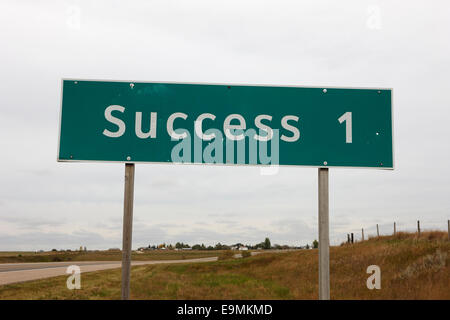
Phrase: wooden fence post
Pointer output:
(418, 228)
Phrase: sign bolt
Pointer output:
(128, 158)
(324, 90)
(325, 163)
(132, 85)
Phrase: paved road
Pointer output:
(20, 272)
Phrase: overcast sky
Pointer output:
(396, 44)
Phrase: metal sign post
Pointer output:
(127, 229)
(324, 237)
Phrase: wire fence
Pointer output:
(394, 228)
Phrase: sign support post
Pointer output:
(324, 237)
(127, 229)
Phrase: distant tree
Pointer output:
(181, 245)
(210, 248)
(259, 245)
(267, 243)
(307, 246)
(315, 244)
(196, 247)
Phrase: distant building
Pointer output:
(238, 246)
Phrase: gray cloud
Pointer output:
(52, 240)
(28, 223)
(322, 43)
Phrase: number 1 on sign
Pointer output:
(347, 117)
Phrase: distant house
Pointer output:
(243, 248)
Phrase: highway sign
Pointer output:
(138, 122)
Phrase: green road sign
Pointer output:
(225, 124)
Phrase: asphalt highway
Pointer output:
(20, 272)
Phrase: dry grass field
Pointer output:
(411, 268)
(17, 257)
(16, 253)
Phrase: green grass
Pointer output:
(186, 281)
